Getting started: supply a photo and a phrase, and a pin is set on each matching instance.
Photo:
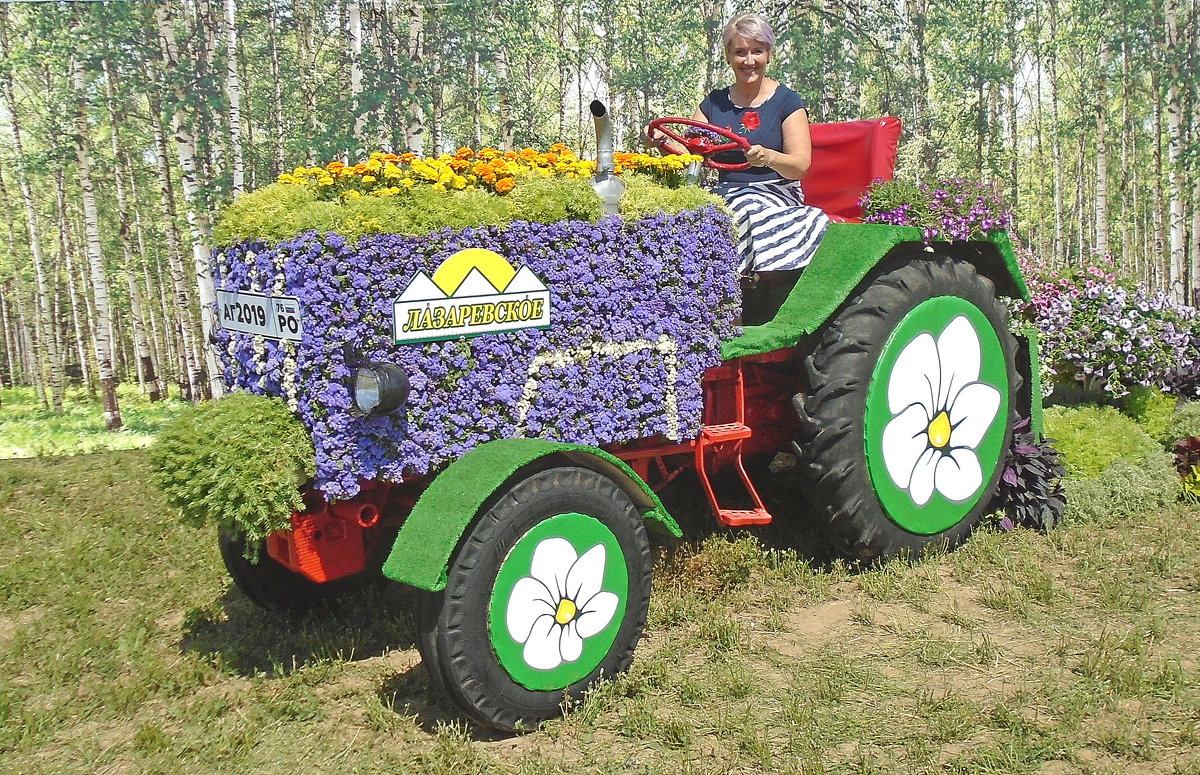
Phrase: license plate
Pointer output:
(274, 317)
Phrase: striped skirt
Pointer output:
(776, 230)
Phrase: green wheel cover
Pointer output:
(927, 489)
(567, 549)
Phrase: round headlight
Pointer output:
(380, 388)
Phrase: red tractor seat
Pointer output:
(846, 158)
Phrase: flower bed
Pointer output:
(637, 313)
(1096, 330)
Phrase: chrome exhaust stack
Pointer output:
(606, 184)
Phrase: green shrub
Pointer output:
(237, 463)
(550, 200)
(1090, 438)
(1184, 422)
(645, 196)
(1152, 409)
(1124, 490)
(281, 211)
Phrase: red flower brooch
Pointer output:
(750, 120)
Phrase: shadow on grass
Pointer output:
(241, 638)
(793, 528)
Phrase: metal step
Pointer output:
(730, 431)
(743, 517)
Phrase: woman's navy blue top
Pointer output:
(762, 125)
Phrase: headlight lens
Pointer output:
(380, 388)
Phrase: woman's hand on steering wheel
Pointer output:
(702, 143)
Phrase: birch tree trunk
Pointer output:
(191, 372)
(504, 104)
(415, 125)
(44, 352)
(1102, 152)
(102, 323)
(276, 92)
(197, 216)
(1175, 145)
(67, 249)
(355, 43)
(233, 88)
(1060, 253)
(141, 344)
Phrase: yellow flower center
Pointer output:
(566, 611)
(939, 430)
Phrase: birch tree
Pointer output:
(102, 322)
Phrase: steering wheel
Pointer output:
(702, 145)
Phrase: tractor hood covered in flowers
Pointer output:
(637, 313)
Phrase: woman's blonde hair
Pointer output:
(750, 26)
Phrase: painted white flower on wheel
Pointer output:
(559, 604)
(940, 413)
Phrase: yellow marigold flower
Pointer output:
(286, 178)
(408, 183)
(369, 178)
(391, 171)
(374, 165)
(326, 181)
(459, 182)
(350, 196)
(439, 186)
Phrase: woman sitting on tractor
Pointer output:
(777, 233)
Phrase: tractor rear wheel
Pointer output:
(909, 410)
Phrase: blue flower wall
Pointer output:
(638, 312)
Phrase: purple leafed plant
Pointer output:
(638, 311)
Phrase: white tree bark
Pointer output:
(67, 249)
(189, 354)
(197, 217)
(355, 43)
(44, 351)
(1101, 223)
(102, 323)
(1177, 227)
(415, 125)
(234, 89)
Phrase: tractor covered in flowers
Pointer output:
(495, 407)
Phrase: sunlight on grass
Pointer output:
(29, 430)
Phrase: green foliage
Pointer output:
(238, 463)
(1125, 489)
(1152, 409)
(280, 211)
(1184, 422)
(1090, 438)
(29, 430)
(644, 196)
(549, 200)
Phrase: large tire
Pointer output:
(909, 410)
(274, 587)
(546, 594)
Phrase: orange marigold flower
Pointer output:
(458, 164)
(408, 157)
(505, 185)
(391, 157)
(559, 148)
(464, 153)
(334, 165)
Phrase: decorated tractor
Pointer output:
(495, 409)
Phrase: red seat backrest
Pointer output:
(846, 157)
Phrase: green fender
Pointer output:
(421, 554)
(848, 253)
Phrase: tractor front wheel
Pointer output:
(909, 410)
(546, 594)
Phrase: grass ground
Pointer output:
(123, 649)
(28, 430)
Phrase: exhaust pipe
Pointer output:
(606, 184)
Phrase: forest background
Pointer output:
(126, 126)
